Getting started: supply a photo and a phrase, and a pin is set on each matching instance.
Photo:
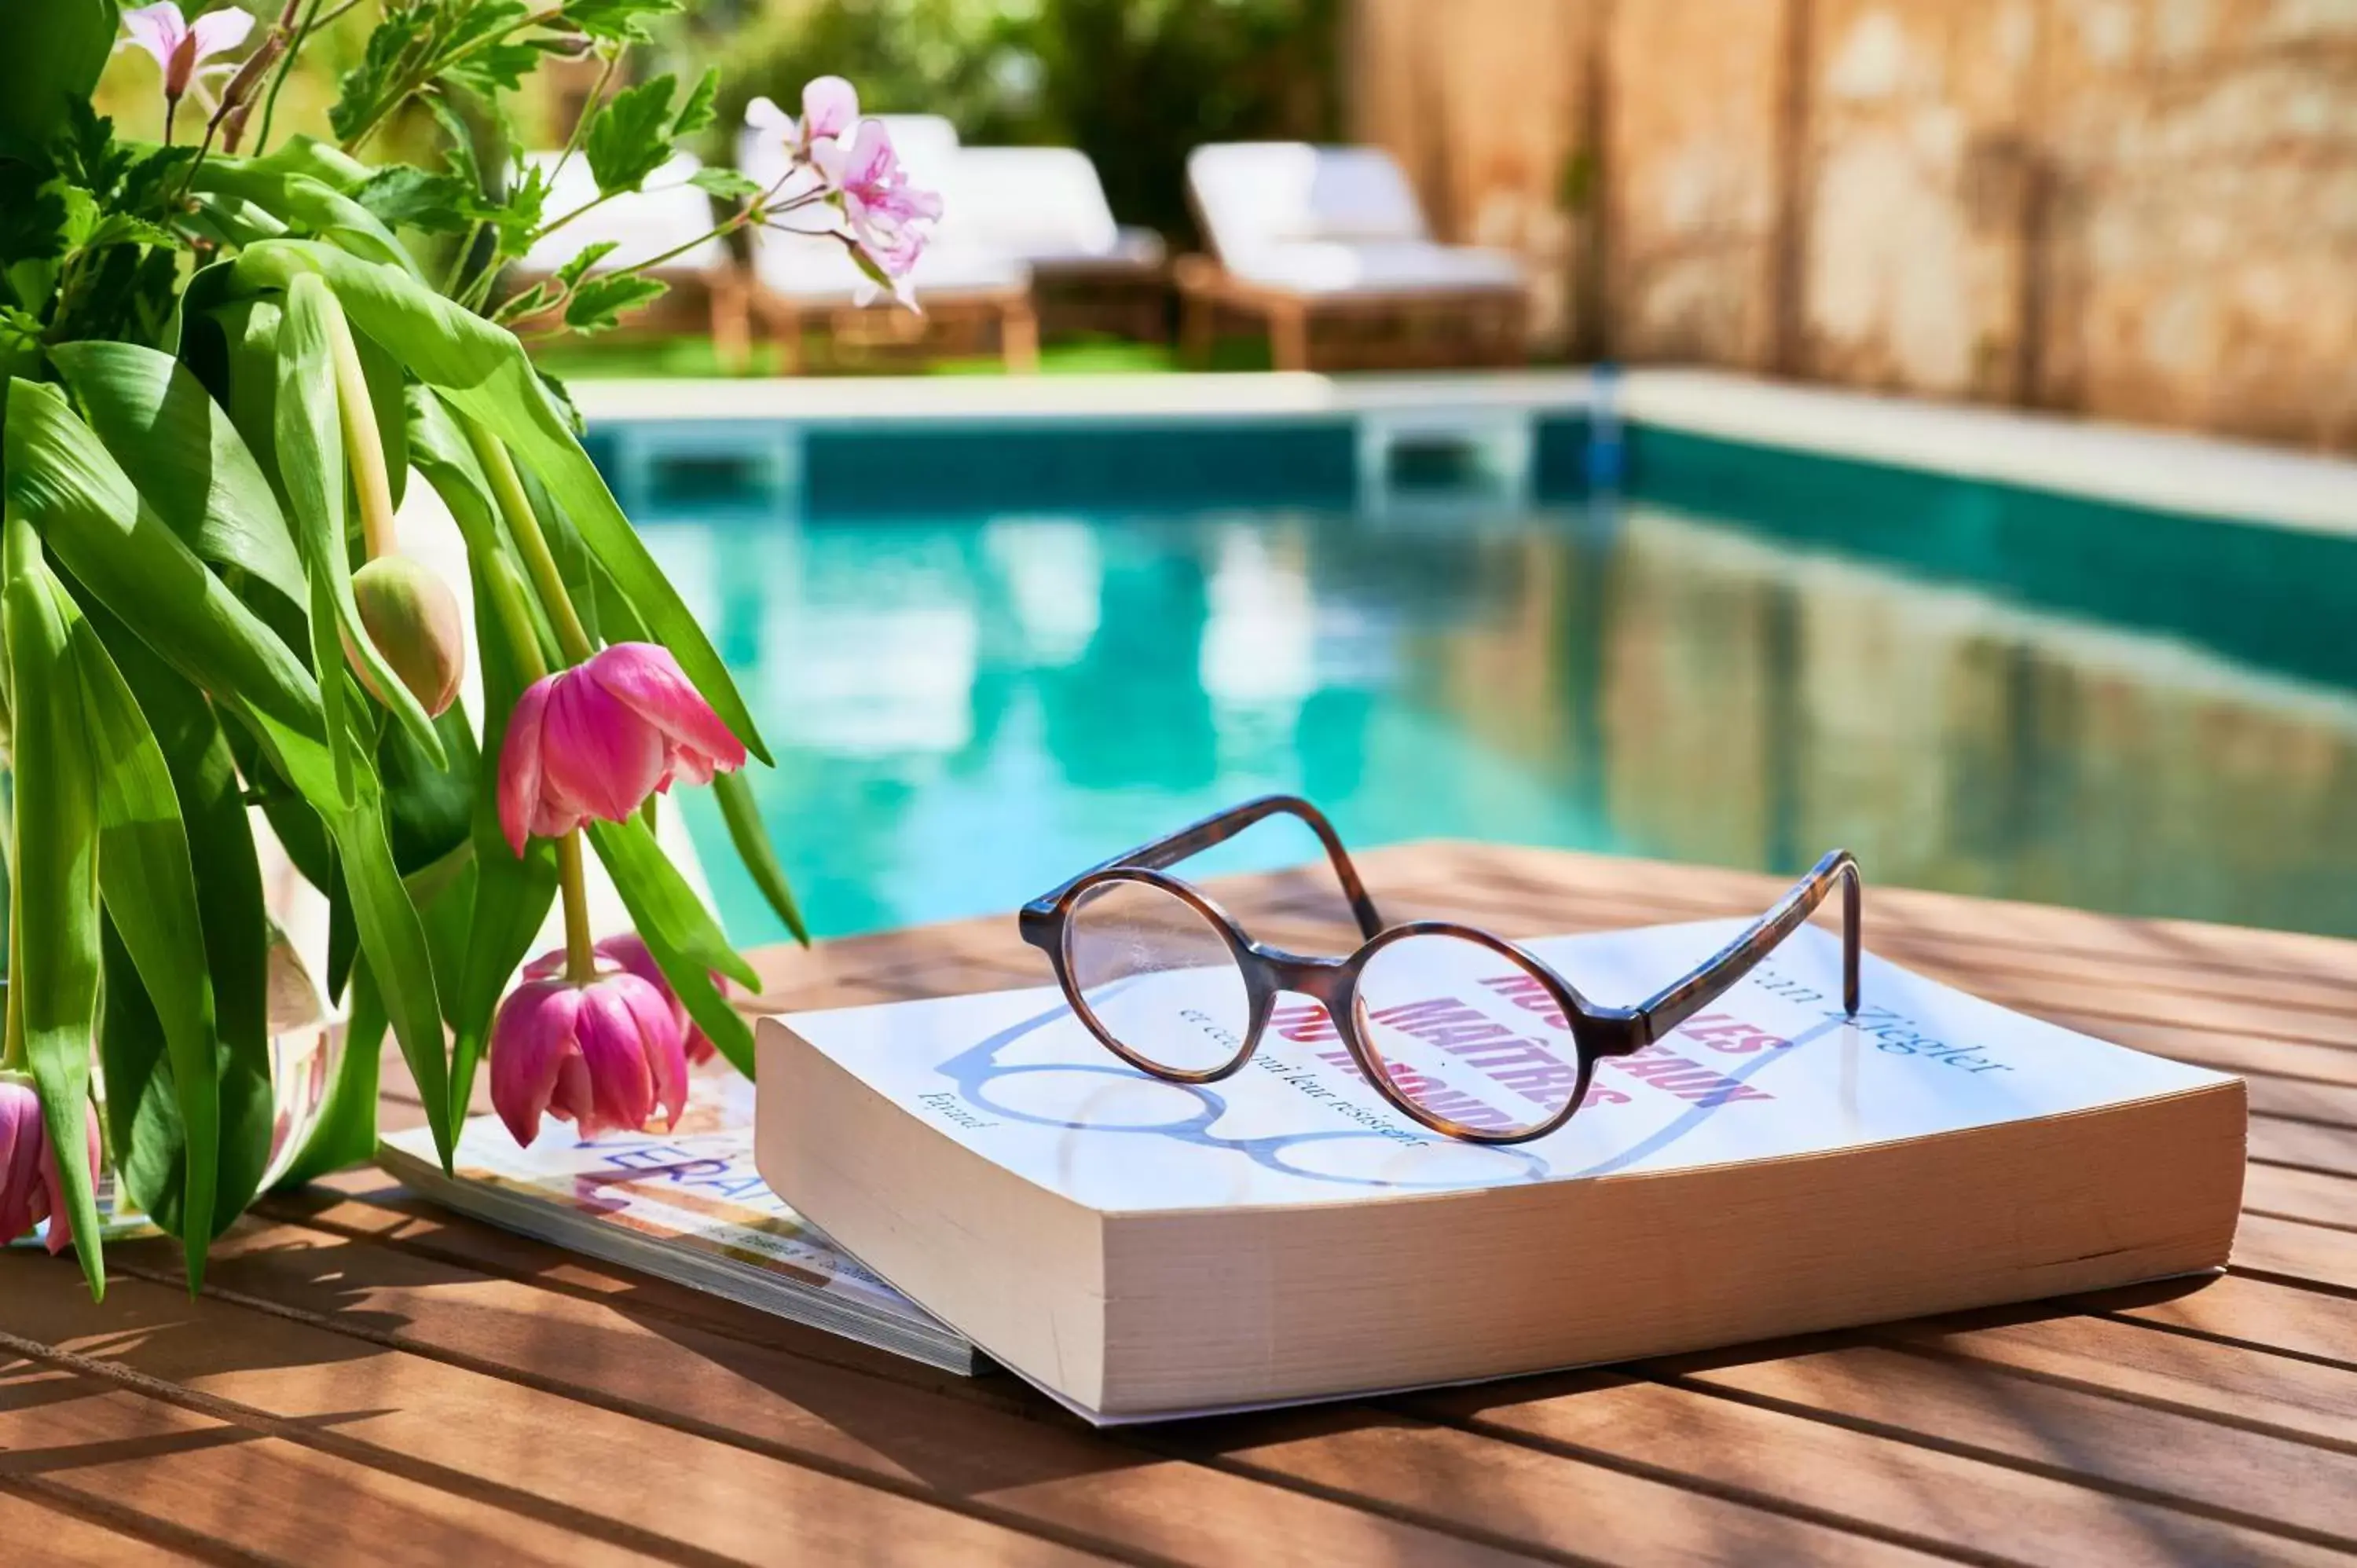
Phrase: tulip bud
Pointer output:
(413, 619)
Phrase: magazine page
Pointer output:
(1772, 1068)
(693, 1188)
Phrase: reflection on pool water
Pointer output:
(966, 712)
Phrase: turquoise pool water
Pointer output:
(1991, 694)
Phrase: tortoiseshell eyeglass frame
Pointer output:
(1596, 1031)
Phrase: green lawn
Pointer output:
(644, 358)
(690, 354)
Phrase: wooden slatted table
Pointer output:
(368, 1379)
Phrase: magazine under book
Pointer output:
(685, 1204)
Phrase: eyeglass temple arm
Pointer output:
(1222, 826)
(1668, 1009)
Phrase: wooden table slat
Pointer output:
(71, 1539)
(739, 1392)
(378, 1363)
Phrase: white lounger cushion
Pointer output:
(1329, 221)
(819, 269)
(667, 213)
(1382, 266)
(1047, 206)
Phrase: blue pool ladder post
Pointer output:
(1606, 468)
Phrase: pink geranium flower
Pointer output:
(31, 1190)
(830, 107)
(181, 48)
(605, 1055)
(593, 742)
(629, 950)
(881, 208)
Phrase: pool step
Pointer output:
(1409, 459)
(658, 464)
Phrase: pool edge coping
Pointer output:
(2163, 470)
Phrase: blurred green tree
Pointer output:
(1133, 83)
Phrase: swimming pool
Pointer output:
(1749, 658)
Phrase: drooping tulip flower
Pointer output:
(181, 48)
(605, 1055)
(31, 1190)
(594, 741)
(629, 950)
(881, 208)
(413, 618)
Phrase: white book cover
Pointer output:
(687, 1205)
(1773, 1070)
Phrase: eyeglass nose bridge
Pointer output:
(1324, 980)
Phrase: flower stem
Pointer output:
(580, 952)
(506, 488)
(362, 447)
(12, 1044)
(508, 597)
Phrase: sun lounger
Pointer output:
(961, 285)
(1047, 206)
(668, 213)
(1310, 238)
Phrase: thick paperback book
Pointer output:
(1143, 1249)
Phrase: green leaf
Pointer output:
(629, 138)
(406, 195)
(618, 21)
(428, 808)
(697, 111)
(438, 450)
(368, 91)
(497, 68)
(391, 935)
(311, 467)
(232, 913)
(345, 1133)
(589, 256)
(149, 886)
(728, 184)
(308, 204)
(483, 375)
(314, 424)
(185, 455)
(55, 989)
(56, 50)
(394, 938)
(680, 933)
(600, 302)
(753, 847)
(62, 479)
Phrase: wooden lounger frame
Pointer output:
(966, 318)
(1388, 330)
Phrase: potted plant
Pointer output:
(224, 363)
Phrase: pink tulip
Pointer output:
(181, 47)
(629, 950)
(605, 1055)
(595, 740)
(31, 1190)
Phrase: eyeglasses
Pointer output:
(1459, 1029)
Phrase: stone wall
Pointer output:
(2142, 209)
